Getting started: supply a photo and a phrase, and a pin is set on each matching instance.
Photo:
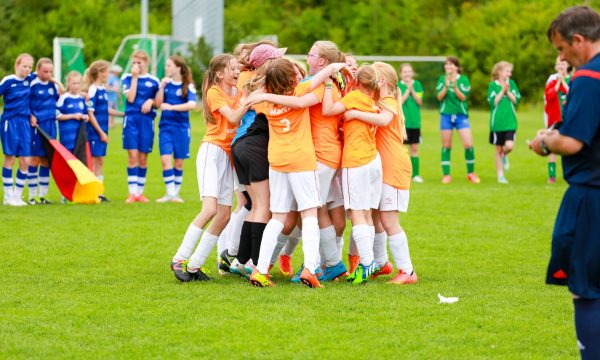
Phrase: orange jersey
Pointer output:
(359, 136)
(244, 78)
(290, 141)
(325, 134)
(397, 168)
(220, 133)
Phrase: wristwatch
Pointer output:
(543, 147)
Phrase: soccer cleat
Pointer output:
(239, 269)
(404, 278)
(260, 280)
(164, 199)
(473, 178)
(34, 201)
(310, 280)
(331, 273)
(296, 278)
(352, 262)
(285, 265)
(225, 261)
(131, 199)
(502, 180)
(180, 270)
(552, 180)
(384, 270)
(45, 201)
(418, 179)
(446, 179)
(505, 163)
(362, 273)
(142, 198)
(17, 201)
(103, 198)
(198, 274)
(177, 199)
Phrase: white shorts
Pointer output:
(293, 191)
(215, 174)
(326, 177)
(336, 196)
(237, 187)
(393, 199)
(362, 186)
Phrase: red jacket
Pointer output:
(552, 101)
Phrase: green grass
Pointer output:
(83, 281)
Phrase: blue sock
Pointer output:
(169, 178)
(32, 181)
(132, 180)
(20, 183)
(44, 180)
(7, 181)
(141, 179)
(587, 327)
(178, 179)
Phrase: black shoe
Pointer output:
(198, 275)
(45, 201)
(103, 198)
(34, 201)
(180, 270)
(225, 261)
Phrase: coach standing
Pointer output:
(575, 259)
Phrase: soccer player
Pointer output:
(71, 110)
(412, 100)
(503, 97)
(176, 97)
(45, 91)
(452, 90)
(15, 128)
(215, 174)
(575, 259)
(140, 89)
(555, 98)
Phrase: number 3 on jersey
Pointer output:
(286, 124)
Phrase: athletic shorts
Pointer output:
(456, 121)
(37, 145)
(413, 136)
(393, 199)
(293, 190)
(250, 159)
(362, 186)
(16, 136)
(326, 176)
(174, 140)
(336, 195)
(215, 174)
(501, 137)
(97, 147)
(575, 259)
(138, 133)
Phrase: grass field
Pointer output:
(83, 281)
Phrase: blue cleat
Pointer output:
(362, 273)
(331, 273)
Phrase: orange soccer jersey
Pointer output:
(397, 168)
(220, 133)
(325, 132)
(290, 142)
(359, 136)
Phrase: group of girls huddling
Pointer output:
(301, 153)
(35, 101)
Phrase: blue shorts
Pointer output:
(97, 147)
(37, 145)
(575, 259)
(138, 133)
(16, 136)
(458, 121)
(174, 140)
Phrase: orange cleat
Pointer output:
(131, 199)
(403, 278)
(472, 177)
(353, 262)
(384, 270)
(447, 179)
(260, 280)
(309, 279)
(285, 265)
(143, 199)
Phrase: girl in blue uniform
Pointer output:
(72, 111)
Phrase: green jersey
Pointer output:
(412, 110)
(450, 104)
(503, 117)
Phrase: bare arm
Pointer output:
(235, 116)
(555, 143)
(96, 126)
(416, 96)
(324, 74)
(378, 119)
(180, 107)
(329, 107)
(130, 95)
(459, 93)
(292, 102)
(442, 94)
(59, 85)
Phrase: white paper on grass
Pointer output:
(447, 300)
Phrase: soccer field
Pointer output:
(93, 281)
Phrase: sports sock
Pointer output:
(310, 243)
(233, 236)
(281, 241)
(7, 182)
(32, 181)
(44, 180)
(207, 243)
(222, 241)
(292, 243)
(245, 245)
(132, 179)
(141, 179)
(380, 248)
(587, 327)
(190, 239)
(364, 243)
(178, 179)
(446, 154)
(20, 183)
(552, 170)
(399, 248)
(169, 178)
(328, 246)
(414, 160)
(339, 241)
(248, 205)
(269, 241)
(352, 249)
(258, 230)
(470, 159)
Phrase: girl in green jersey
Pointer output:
(412, 100)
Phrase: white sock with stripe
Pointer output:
(132, 180)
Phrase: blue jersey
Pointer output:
(147, 87)
(16, 96)
(43, 99)
(68, 129)
(173, 96)
(99, 105)
(245, 123)
(581, 120)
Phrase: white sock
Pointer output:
(380, 248)
(352, 249)
(292, 243)
(222, 242)
(400, 253)
(171, 189)
(281, 241)
(132, 180)
(207, 243)
(233, 237)
(364, 243)
(339, 242)
(190, 239)
(101, 178)
(310, 243)
(267, 246)
(328, 246)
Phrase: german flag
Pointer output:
(70, 172)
